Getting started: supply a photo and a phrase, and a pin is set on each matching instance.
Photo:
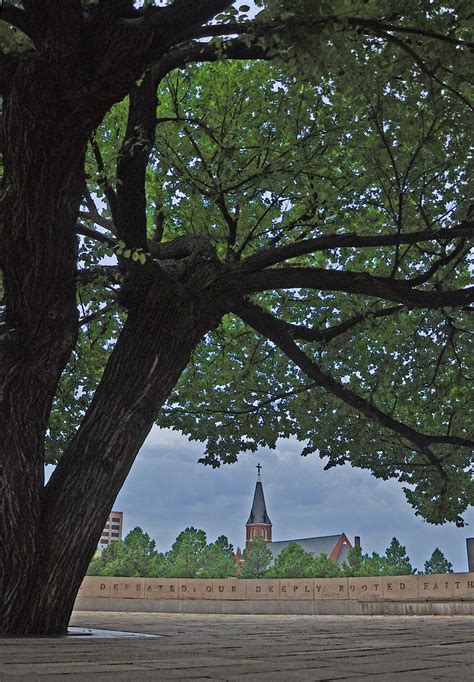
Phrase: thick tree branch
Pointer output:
(176, 23)
(133, 160)
(194, 13)
(111, 273)
(95, 217)
(140, 134)
(97, 314)
(234, 28)
(208, 52)
(93, 214)
(335, 241)
(349, 282)
(94, 234)
(240, 28)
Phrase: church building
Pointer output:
(336, 547)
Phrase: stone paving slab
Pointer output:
(247, 648)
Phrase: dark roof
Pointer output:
(320, 545)
(258, 513)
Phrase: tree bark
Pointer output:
(43, 153)
(57, 97)
(151, 353)
(41, 191)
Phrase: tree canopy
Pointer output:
(336, 201)
(241, 227)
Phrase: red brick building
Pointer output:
(259, 522)
(336, 547)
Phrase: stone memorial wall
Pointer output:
(318, 595)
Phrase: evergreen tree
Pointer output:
(257, 559)
(217, 561)
(396, 560)
(292, 562)
(362, 565)
(373, 564)
(438, 563)
(189, 557)
(223, 543)
(99, 563)
(353, 565)
(184, 560)
(324, 567)
(136, 556)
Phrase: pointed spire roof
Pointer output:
(258, 513)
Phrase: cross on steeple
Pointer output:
(258, 467)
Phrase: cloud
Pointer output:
(168, 490)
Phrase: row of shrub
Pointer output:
(294, 562)
(191, 556)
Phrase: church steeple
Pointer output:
(259, 522)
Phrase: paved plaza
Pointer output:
(273, 648)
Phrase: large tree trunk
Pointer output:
(151, 353)
(38, 250)
(43, 153)
(56, 98)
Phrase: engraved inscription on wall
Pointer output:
(458, 586)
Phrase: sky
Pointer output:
(167, 490)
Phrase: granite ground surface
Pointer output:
(228, 647)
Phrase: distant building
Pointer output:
(336, 547)
(113, 529)
(259, 522)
